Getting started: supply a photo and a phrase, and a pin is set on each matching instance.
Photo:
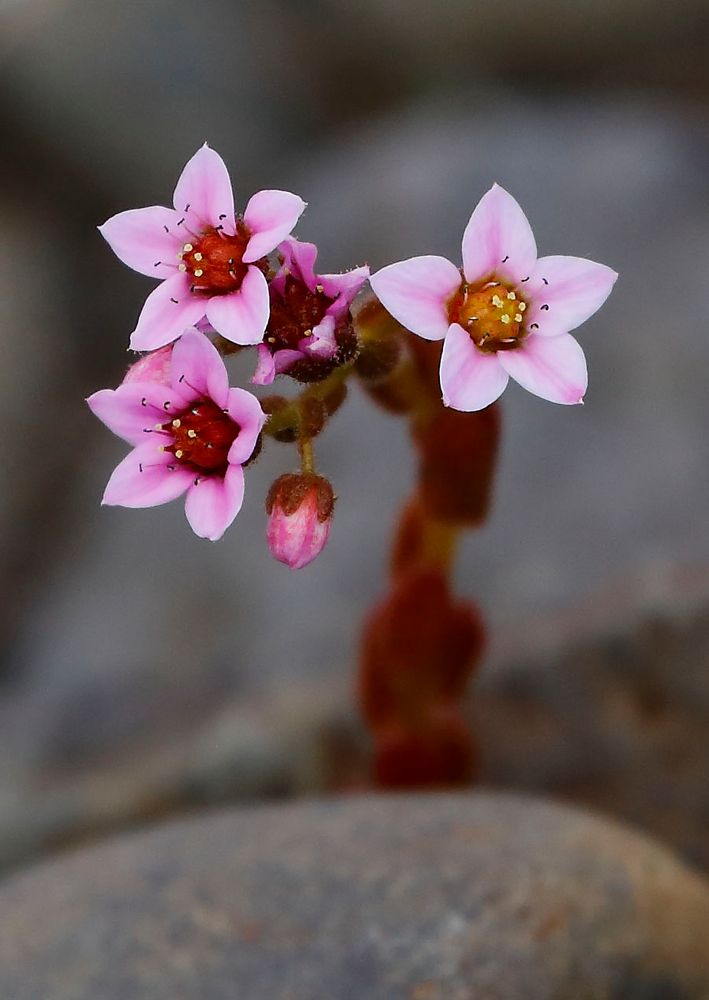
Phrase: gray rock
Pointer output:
(455, 897)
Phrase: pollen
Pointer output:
(492, 315)
(215, 260)
(202, 437)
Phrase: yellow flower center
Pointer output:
(491, 314)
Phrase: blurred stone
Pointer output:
(455, 897)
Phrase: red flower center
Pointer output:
(214, 261)
(202, 437)
(294, 314)
(492, 316)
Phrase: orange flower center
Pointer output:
(214, 261)
(491, 314)
(202, 437)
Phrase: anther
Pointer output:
(319, 289)
(187, 247)
(518, 317)
(308, 333)
(182, 267)
(511, 296)
(198, 256)
(505, 319)
(191, 433)
(176, 422)
(179, 453)
(497, 301)
(198, 273)
(522, 306)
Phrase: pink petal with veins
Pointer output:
(245, 410)
(167, 312)
(241, 316)
(145, 239)
(551, 367)
(212, 503)
(563, 292)
(470, 379)
(132, 410)
(270, 216)
(198, 370)
(203, 195)
(143, 479)
(416, 292)
(498, 240)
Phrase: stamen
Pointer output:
(505, 319)
(319, 289)
(179, 453)
(176, 422)
(198, 256)
(192, 433)
(511, 296)
(522, 306)
(198, 273)
(497, 301)
(518, 317)
(187, 248)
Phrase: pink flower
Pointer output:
(192, 436)
(509, 313)
(309, 329)
(300, 508)
(211, 261)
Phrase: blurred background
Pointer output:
(144, 671)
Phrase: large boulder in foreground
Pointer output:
(455, 897)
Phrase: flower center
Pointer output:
(491, 315)
(202, 437)
(294, 314)
(213, 261)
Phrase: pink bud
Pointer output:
(300, 508)
(152, 367)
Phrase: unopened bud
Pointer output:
(152, 367)
(299, 507)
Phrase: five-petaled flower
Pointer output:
(212, 261)
(191, 436)
(309, 329)
(508, 313)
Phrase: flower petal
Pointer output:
(167, 312)
(344, 288)
(322, 341)
(212, 503)
(203, 193)
(145, 478)
(416, 293)
(197, 366)
(270, 215)
(498, 239)
(245, 410)
(470, 379)
(242, 316)
(133, 409)
(299, 258)
(145, 239)
(285, 359)
(572, 288)
(265, 367)
(551, 367)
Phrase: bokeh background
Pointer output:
(144, 671)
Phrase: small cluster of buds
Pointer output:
(233, 280)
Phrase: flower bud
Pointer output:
(300, 508)
(152, 367)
